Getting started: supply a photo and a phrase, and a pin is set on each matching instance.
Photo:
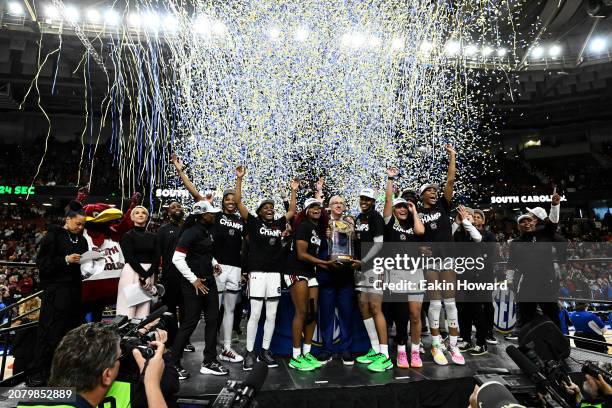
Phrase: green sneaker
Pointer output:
(301, 363)
(381, 363)
(367, 358)
(312, 360)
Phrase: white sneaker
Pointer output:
(230, 355)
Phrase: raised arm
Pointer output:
(419, 228)
(450, 175)
(180, 169)
(392, 173)
(240, 172)
(319, 186)
(295, 184)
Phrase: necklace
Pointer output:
(76, 239)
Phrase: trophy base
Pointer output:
(342, 258)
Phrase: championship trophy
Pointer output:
(341, 241)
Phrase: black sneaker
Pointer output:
(249, 361)
(491, 340)
(347, 358)
(465, 346)
(479, 350)
(213, 367)
(324, 357)
(267, 358)
(182, 373)
(189, 348)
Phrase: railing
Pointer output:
(8, 315)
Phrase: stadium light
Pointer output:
(151, 21)
(501, 52)
(71, 13)
(452, 47)
(598, 45)
(426, 46)
(111, 17)
(486, 51)
(537, 52)
(554, 51)
(93, 15)
(169, 23)
(397, 43)
(470, 50)
(374, 41)
(51, 12)
(134, 20)
(219, 28)
(353, 40)
(15, 8)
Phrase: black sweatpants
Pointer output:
(173, 298)
(195, 304)
(60, 312)
(473, 313)
(528, 310)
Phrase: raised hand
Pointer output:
(178, 164)
(450, 150)
(240, 171)
(463, 213)
(556, 198)
(320, 183)
(411, 207)
(392, 171)
(135, 199)
(295, 184)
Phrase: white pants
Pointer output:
(291, 279)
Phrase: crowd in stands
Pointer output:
(19, 162)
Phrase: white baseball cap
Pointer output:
(263, 202)
(426, 186)
(310, 202)
(367, 192)
(397, 201)
(203, 207)
(538, 212)
(522, 217)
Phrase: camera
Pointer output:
(591, 368)
(129, 331)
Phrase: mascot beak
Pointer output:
(110, 214)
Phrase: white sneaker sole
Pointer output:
(269, 365)
(348, 363)
(207, 371)
(246, 368)
(237, 359)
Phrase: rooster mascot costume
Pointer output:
(104, 227)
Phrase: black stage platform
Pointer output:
(349, 386)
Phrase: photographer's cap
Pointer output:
(368, 193)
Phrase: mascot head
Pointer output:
(101, 214)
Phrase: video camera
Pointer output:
(591, 368)
(132, 335)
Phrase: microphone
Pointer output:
(534, 374)
(238, 394)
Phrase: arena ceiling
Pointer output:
(564, 71)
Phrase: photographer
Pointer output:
(597, 392)
(88, 359)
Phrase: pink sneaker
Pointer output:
(456, 356)
(415, 359)
(402, 359)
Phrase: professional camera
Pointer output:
(137, 333)
(591, 368)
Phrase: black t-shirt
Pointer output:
(197, 243)
(437, 222)
(265, 252)
(400, 231)
(306, 231)
(368, 225)
(228, 233)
